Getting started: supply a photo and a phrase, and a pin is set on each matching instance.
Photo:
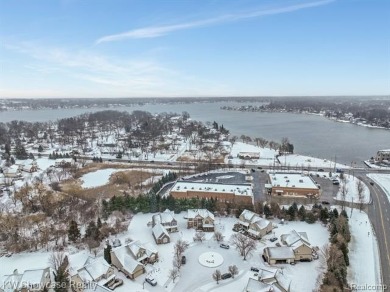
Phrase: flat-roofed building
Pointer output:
(292, 184)
(238, 193)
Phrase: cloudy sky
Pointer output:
(142, 48)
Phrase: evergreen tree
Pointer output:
(73, 231)
(92, 231)
(40, 148)
(20, 151)
(107, 253)
(302, 213)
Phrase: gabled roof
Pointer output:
(280, 253)
(94, 269)
(159, 231)
(261, 223)
(126, 259)
(295, 236)
(204, 213)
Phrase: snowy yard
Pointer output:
(364, 265)
(98, 178)
(383, 180)
(202, 279)
(352, 194)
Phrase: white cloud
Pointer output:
(157, 31)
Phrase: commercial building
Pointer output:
(229, 193)
(292, 184)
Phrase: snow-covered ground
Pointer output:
(383, 180)
(202, 279)
(351, 186)
(297, 160)
(98, 178)
(364, 267)
(373, 165)
(267, 155)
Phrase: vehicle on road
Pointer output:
(371, 183)
(183, 260)
(273, 239)
(336, 182)
(253, 170)
(320, 170)
(151, 281)
(225, 246)
(253, 269)
(325, 203)
(226, 276)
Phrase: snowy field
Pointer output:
(266, 155)
(364, 265)
(296, 160)
(383, 180)
(352, 195)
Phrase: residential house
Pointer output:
(95, 270)
(276, 278)
(29, 281)
(12, 172)
(255, 226)
(300, 244)
(279, 255)
(166, 219)
(131, 258)
(160, 234)
(297, 248)
(200, 219)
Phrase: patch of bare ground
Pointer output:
(128, 181)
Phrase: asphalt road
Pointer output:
(379, 214)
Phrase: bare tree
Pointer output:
(199, 236)
(360, 191)
(218, 236)
(243, 244)
(180, 248)
(217, 276)
(343, 192)
(174, 274)
(233, 270)
(177, 262)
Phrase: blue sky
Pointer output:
(142, 48)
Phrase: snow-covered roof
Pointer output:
(192, 213)
(292, 180)
(261, 223)
(237, 189)
(159, 230)
(257, 286)
(165, 217)
(34, 278)
(94, 269)
(282, 253)
(125, 257)
(294, 237)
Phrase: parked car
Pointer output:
(273, 239)
(183, 260)
(336, 182)
(151, 281)
(325, 203)
(253, 170)
(292, 263)
(226, 276)
(253, 269)
(320, 170)
(225, 246)
(371, 183)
